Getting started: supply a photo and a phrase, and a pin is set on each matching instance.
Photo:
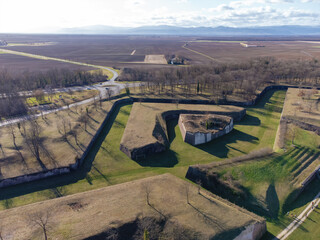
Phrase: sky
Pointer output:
(48, 16)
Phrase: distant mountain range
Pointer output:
(198, 31)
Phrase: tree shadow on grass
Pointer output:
(272, 201)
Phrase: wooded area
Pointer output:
(12, 103)
(221, 79)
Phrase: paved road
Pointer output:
(103, 87)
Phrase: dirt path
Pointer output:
(298, 220)
(202, 54)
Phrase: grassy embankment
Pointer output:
(107, 165)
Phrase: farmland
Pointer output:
(116, 50)
(18, 65)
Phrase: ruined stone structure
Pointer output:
(202, 128)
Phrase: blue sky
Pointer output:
(50, 16)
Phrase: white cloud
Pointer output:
(40, 15)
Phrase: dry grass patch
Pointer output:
(64, 135)
(303, 105)
(90, 213)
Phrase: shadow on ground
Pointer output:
(65, 179)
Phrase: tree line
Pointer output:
(12, 103)
(55, 78)
(243, 78)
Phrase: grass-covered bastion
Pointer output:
(146, 131)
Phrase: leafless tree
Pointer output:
(33, 139)
(84, 119)
(109, 93)
(49, 91)
(186, 189)
(42, 220)
(64, 127)
(1, 146)
(1, 232)
(13, 135)
(199, 184)
(39, 95)
(100, 99)
(147, 190)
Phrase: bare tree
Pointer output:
(13, 135)
(100, 99)
(76, 108)
(186, 190)
(84, 119)
(1, 231)
(147, 190)
(64, 127)
(1, 146)
(39, 95)
(49, 91)
(32, 138)
(199, 184)
(109, 93)
(42, 220)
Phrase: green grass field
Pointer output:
(107, 165)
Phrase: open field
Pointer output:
(117, 50)
(106, 165)
(19, 64)
(231, 51)
(84, 215)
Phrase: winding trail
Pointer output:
(102, 87)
